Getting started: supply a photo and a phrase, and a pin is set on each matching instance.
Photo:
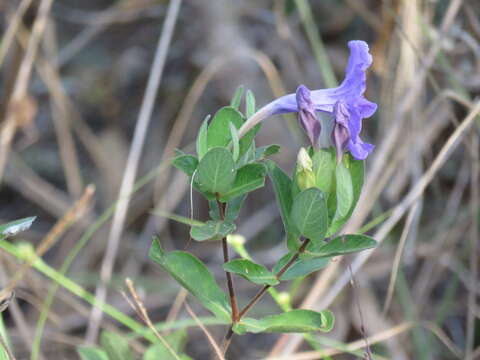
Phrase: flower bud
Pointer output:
(284, 298)
(341, 132)
(236, 240)
(304, 173)
(307, 116)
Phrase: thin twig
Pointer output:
(141, 311)
(206, 332)
(132, 164)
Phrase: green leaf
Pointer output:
(249, 104)
(324, 163)
(237, 98)
(263, 152)
(216, 171)
(116, 346)
(309, 214)
(186, 163)
(212, 230)
(341, 245)
(214, 211)
(235, 142)
(246, 142)
(219, 129)
(300, 268)
(343, 198)
(251, 271)
(233, 207)
(4, 354)
(249, 178)
(194, 276)
(202, 145)
(158, 351)
(357, 173)
(295, 321)
(282, 187)
(91, 353)
(14, 227)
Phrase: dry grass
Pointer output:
(82, 103)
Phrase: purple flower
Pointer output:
(346, 103)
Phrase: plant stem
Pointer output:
(226, 258)
(285, 267)
(229, 334)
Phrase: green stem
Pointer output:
(73, 287)
(79, 245)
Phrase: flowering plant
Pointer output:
(314, 203)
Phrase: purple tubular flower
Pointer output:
(347, 98)
(307, 116)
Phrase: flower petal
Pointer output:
(359, 149)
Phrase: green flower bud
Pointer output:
(304, 173)
(236, 239)
(284, 298)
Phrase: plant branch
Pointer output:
(226, 258)
(263, 290)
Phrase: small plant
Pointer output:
(314, 203)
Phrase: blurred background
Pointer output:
(101, 92)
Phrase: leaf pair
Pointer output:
(194, 276)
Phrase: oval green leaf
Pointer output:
(186, 163)
(195, 277)
(219, 129)
(91, 353)
(251, 271)
(282, 185)
(202, 145)
(216, 171)
(300, 268)
(343, 198)
(249, 178)
(176, 341)
(295, 321)
(341, 245)
(116, 346)
(309, 214)
(212, 230)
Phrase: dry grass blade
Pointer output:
(133, 160)
(353, 346)
(398, 258)
(141, 311)
(209, 336)
(21, 84)
(473, 251)
(15, 21)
